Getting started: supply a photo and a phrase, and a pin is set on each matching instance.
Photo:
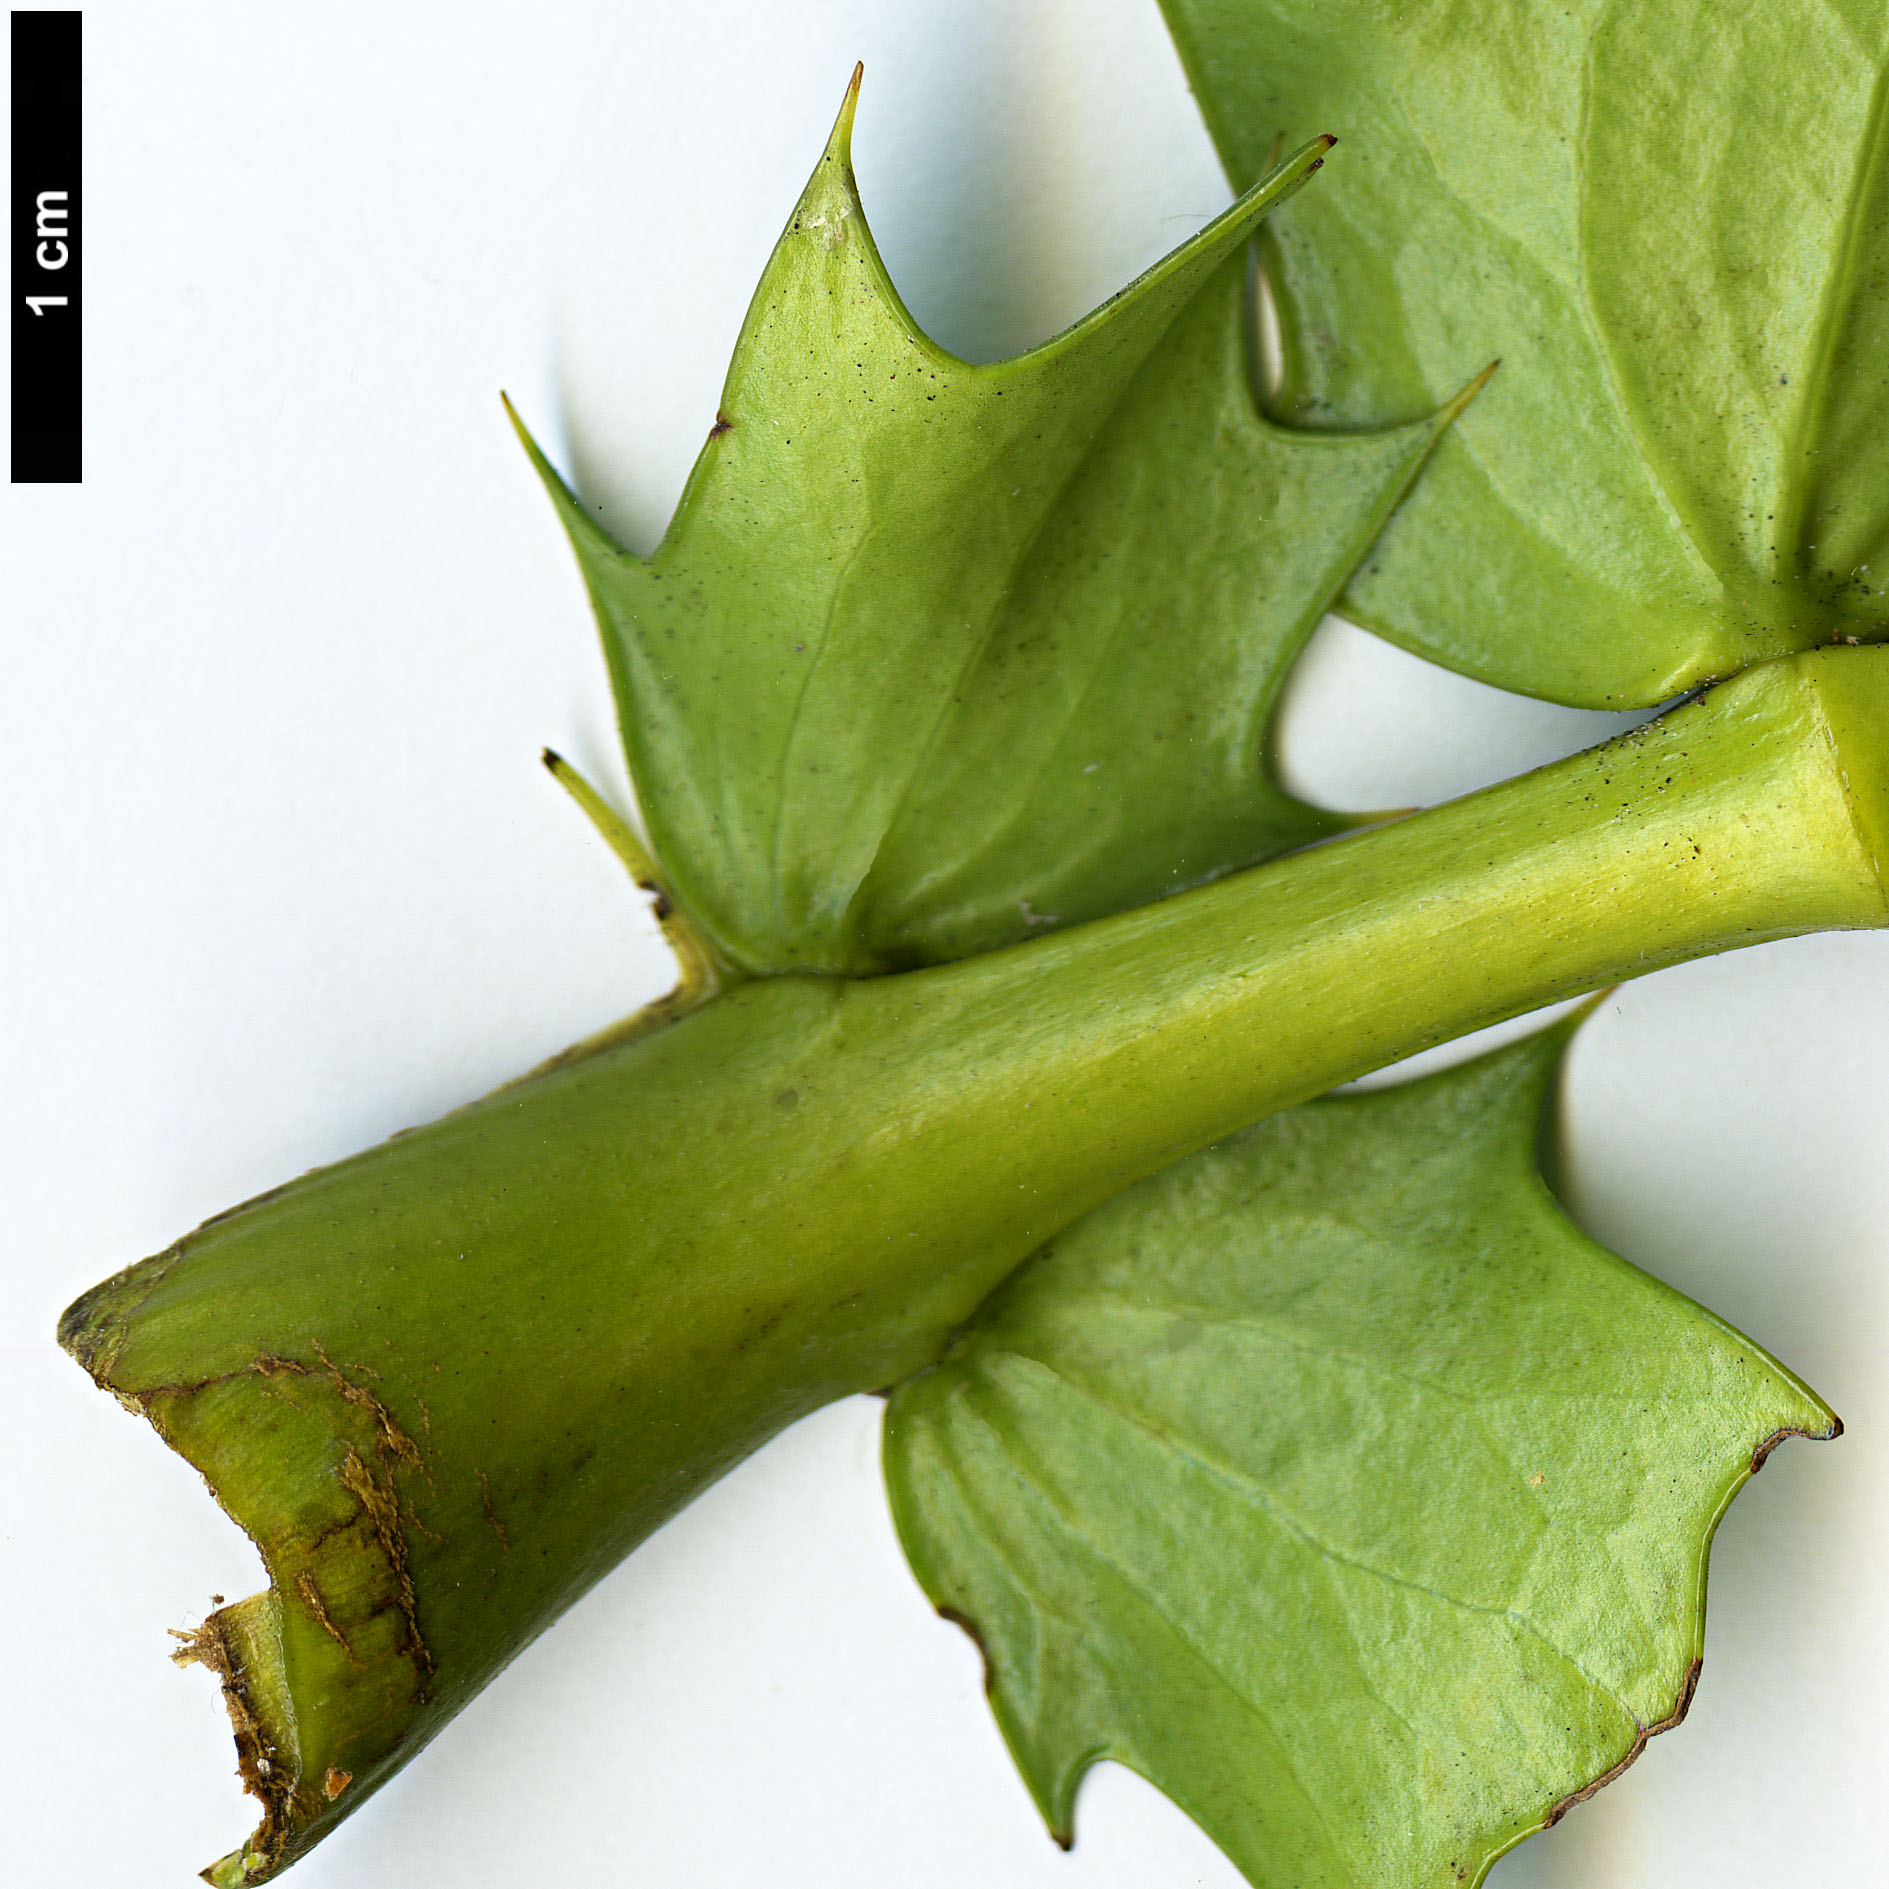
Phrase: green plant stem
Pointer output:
(447, 1384)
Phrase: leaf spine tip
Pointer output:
(839, 146)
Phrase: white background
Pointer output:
(282, 875)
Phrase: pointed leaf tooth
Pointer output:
(588, 537)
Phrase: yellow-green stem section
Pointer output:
(447, 1384)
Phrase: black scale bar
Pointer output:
(47, 303)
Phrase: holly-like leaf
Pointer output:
(1333, 1481)
(1670, 219)
(934, 655)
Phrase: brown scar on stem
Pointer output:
(217, 1644)
(334, 1782)
(391, 1434)
(379, 1504)
(382, 1509)
(366, 1370)
(258, 1763)
(1681, 1706)
(198, 1646)
(485, 1501)
(722, 425)
(311, 1598)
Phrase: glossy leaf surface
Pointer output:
(1336, 1483)
(1670, 219)
(936, 655)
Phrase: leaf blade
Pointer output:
(1236, 1593)
(1136, 665)
(819, 682)
(1667, 219)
